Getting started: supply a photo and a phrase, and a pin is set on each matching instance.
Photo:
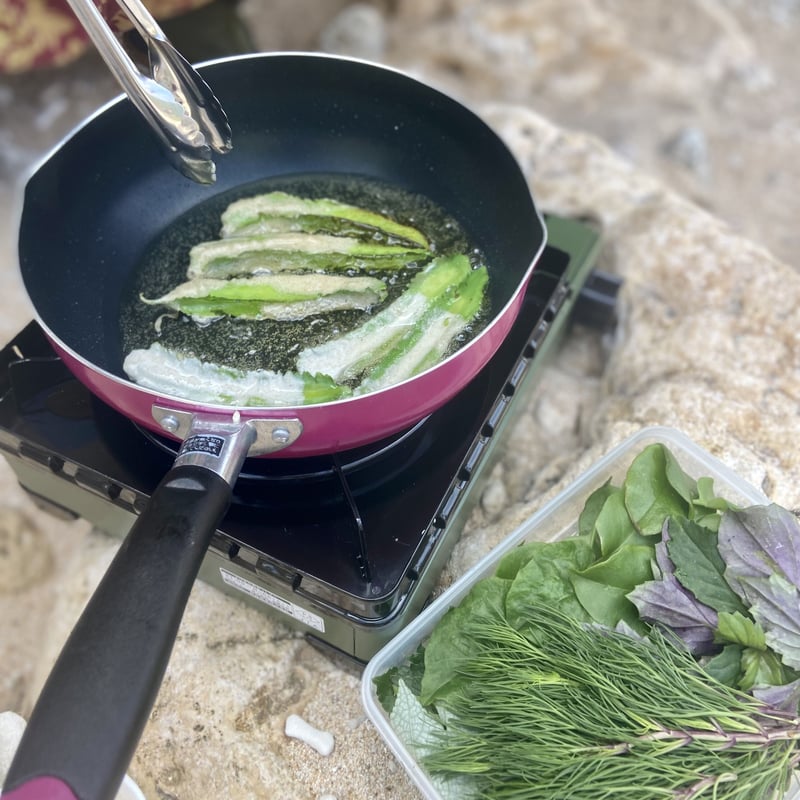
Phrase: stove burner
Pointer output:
(346, 546)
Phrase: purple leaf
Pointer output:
(760, 541)
(783, 698)
(663, 561)
(761, 549)
(665, 602)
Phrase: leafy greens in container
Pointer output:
(652, 654)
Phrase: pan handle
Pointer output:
(91, 712)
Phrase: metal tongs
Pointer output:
(176, 102)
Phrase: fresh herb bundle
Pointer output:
(564, 710)
(654, 654)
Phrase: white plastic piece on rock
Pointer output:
(298, 728)
(12, 726)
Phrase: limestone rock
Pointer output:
(25, 555)
(359, 30)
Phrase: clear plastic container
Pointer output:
(556, 520)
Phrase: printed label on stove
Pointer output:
(279, 603)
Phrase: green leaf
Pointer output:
(656, 488)
(613, 527)
(607, 605)
(546, 579)
(409, 672)
(625, 568)
(592, 507)
(706, 507)
(760, 668)
(698, 565)
(739, 629)
(449, 646)
(726, 666)
(511, 563)
(385, 688)
(680, 481)
(709, 520)
(707, 498)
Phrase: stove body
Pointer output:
(346, 548)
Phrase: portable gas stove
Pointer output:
(346, 547)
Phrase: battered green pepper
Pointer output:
(280, 297)
(183, 375)
(347, 357)
(279, 212)
(427, 343)
(281, 252)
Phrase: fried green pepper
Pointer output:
(279, 297)
(279, 212)
(428, 342)
(347, 357)
(281, 252)
(183, 375)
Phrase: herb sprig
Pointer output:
(565, 710)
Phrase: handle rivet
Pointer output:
(170, 423)
(280, 435)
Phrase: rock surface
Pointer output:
(679, 131)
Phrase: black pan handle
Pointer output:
(88, 719)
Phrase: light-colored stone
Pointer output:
(638, 75)
(359, 30)
(25, 556)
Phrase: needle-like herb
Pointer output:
(563, 710)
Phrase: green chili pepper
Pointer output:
(427, 343)
(346, 357)
(280, 252)
(183, 375)
(279, 212)
(279, 297)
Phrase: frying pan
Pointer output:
(89, 214)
